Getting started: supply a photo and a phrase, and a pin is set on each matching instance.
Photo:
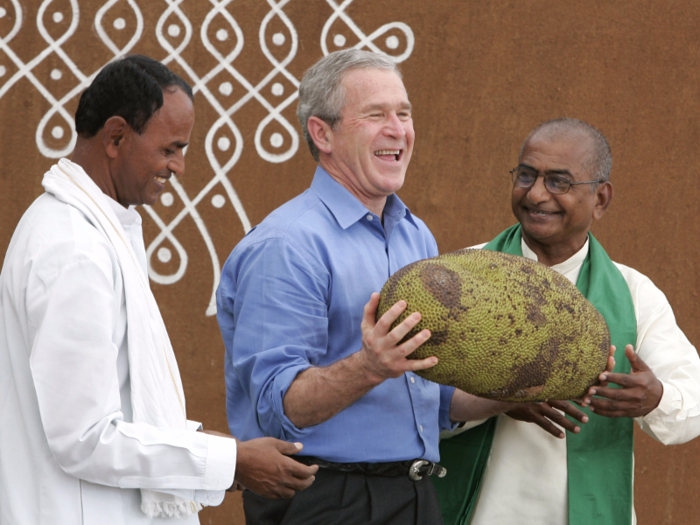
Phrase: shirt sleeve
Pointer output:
(446, 394)
(73, 313)
(666, 350)
(281, 327)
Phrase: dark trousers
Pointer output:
(349, 498)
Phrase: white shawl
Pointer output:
(157, 397)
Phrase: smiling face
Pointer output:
(143, 163)
(556, 226)
(370, 148)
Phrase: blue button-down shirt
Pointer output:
(292, 295)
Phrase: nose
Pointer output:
(177, 163)
(538, 193)
(394, 126)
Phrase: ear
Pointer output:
(113, 133)
(603, 194)
(321, 133)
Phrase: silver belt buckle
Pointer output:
(414, 472)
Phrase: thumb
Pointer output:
(289, 449)
(636, 362)
(369, 317)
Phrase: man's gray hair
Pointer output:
(321, 92)
(598, 162)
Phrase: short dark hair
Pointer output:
(130, 87)
(598, 161)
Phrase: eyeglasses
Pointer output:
(556, 183)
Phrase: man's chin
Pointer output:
(391, 183)
(537, 232)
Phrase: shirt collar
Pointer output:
(569, 268)
(127, 216)
(346, 208)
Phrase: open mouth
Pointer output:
(387, 154)
(161, 180)
(541, 213)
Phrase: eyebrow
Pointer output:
(555, 172)
(372, 107)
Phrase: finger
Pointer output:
(636, 362)
(565, 423)
(410, 346)
(609, 408)
(611, 363)
(584, 400)
(422, 364)
(557, 417)
(281, 492)
(546, 425)
(392, 314)
(370, 311)
(287, 448)
(570, 410)
(308, 471)
(408, 324)
(301, 483)
(616, 394)
(613, 405)
(602, 378)
(609, 367)
(624, 380)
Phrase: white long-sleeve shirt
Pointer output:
(69, 451)
(526, 477)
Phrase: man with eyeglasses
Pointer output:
(509, 471)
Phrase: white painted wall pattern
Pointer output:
(174, 33)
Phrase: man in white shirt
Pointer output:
(560, 186)
(92, 414)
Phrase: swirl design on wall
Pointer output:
(120, 27)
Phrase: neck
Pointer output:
(549, 255)
(85, 155)
(373, 203)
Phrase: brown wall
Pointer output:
(480, 76)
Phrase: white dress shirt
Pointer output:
(69, 451)
(526, 478)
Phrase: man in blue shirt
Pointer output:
(303, 361)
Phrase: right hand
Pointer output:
(263, 466)
(381, 355)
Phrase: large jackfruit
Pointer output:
(503, 327)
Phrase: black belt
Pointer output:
(415, 469)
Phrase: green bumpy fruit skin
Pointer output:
(503, 327)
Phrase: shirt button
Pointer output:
(370, 218)
(413, 379)
(421, 427)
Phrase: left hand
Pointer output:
(640, 393)
(264, 467)
(545, 415)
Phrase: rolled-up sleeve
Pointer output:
(280, 314)
(446, 393)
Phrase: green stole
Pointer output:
(599, 458)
